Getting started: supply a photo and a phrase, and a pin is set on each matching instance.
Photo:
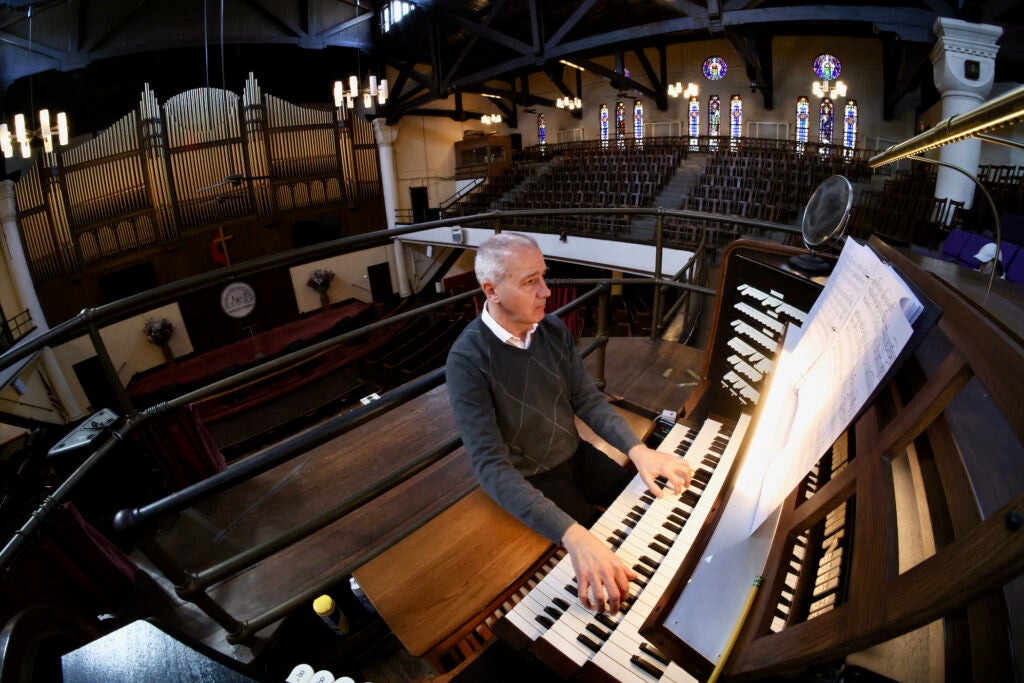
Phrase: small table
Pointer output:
(141, 651)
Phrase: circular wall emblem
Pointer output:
(827, 67)
(238, 299)
(714, 68)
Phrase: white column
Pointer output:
(386, 136)
(25, 291)
(963, 66)
(17, 266)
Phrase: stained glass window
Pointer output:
(541, 130)
(827, 67)
(850, 125)
(803, 115)
(620, 124)
(694, 122)
(604, 124)
(825, 123)
(638, 120)
(714, 119)
(736, 116)
(714, 68)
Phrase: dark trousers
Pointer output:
(584, 484)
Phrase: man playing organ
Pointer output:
(515, 382)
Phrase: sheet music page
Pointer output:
(852, 336)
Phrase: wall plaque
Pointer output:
(238, 299)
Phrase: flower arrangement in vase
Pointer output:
(319, 281)
(159, 331)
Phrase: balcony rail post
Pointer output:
(659, 226)
(602, 334)
(187, 587)
(109, 371)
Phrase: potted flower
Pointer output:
(319, 281)
(158, 331)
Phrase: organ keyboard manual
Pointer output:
(714, 539)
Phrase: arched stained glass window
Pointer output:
(638, 120)
(803, 115)
(694, 122)
(620, 124)
(735, 121)
(826, 122)
(736, 116)
(850, 126)
(541, 130)
(604, 124)
(714, 120)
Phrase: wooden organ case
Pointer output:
(913, 516)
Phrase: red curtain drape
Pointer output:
(71, 566)
(183, 447)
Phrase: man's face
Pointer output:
(517, 302)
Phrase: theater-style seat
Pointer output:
(972, 244)
(1015, 271)
(954, 244)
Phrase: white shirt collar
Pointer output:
(504, 335)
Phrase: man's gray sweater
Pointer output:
(514, 408)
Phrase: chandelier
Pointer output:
(23, 136)
(374, 91)
(822, 89)
(570, 103)
(675, 90)
(488, 120)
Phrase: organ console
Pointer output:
(910, 520)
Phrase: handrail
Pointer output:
(136, 303)
(469, 187)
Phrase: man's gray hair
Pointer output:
(491, 264)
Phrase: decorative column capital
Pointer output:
(963, 58)
(385, 134)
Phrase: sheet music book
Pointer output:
(829, 368)
(826, 372)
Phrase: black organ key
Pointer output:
(654, 652)
(647, 499)
(639, 509)
(606, 620)
(552, 612)
(642, 570)
(589, 642)
(669, 526)
(649, 562)
(677, 519)
(660, 549)
(689, 497)
(647, 666)
(562, 604)
(702, 475)
(544, 621)
(662, 538)
(629, 522)
(598, 631)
